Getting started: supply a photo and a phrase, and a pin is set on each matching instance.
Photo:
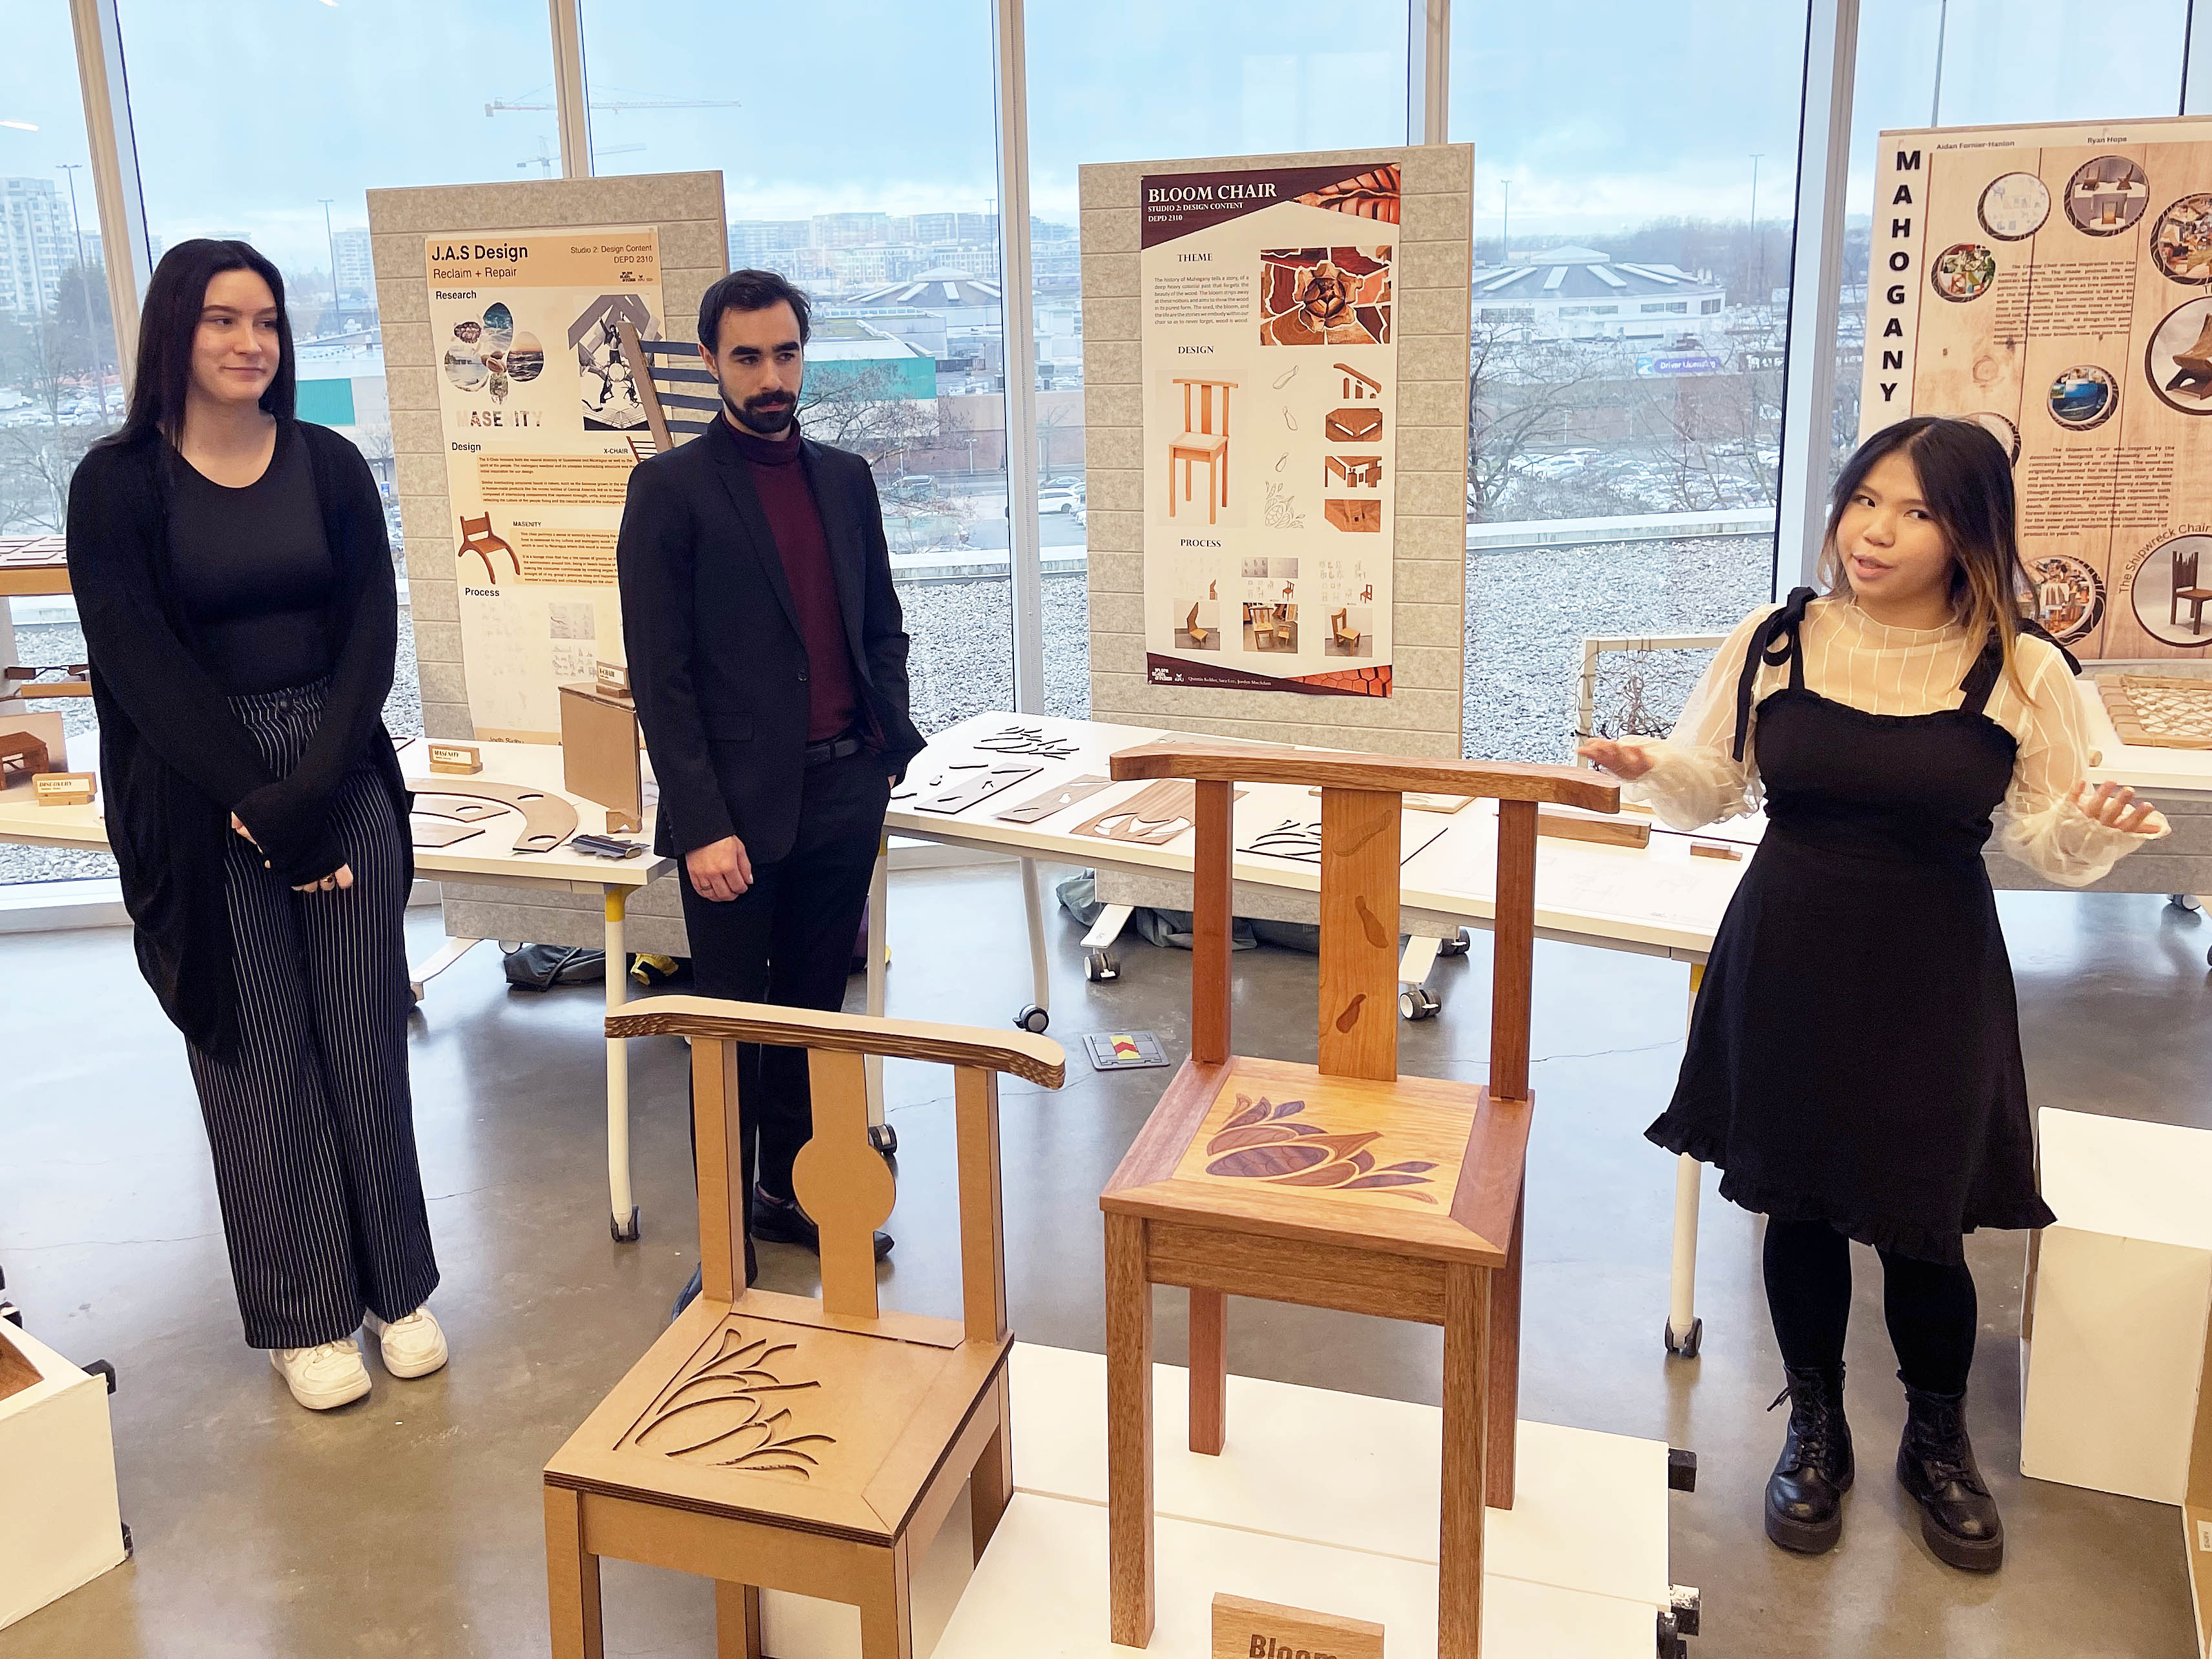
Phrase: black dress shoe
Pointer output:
(1805, 1494)
(781, 1221)
(1936, 1466)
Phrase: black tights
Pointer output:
(1930, 1308)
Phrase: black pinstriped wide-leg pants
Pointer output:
(312, 1123)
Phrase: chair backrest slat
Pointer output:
(1513, 950)
(1359, 931)
(722, 1172)
(1211, 884)
(982, 1205)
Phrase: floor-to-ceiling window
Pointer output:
(856, 141)
(1635, 175)
(1156, 81)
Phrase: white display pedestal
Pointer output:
(1320, 1500)
(60, 1524)
(2113, 1343)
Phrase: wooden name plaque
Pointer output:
(65, 788)
(1244, 1629)
(462, 760)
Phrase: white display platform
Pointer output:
(59, 1525)
(2113, 1345)
(1319, 1499)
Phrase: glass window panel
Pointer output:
(267, 120)
(1633, 212)
(866, 170)
(1155, 81)
(59, 389)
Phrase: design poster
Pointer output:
(2055, 284)
(541, 425)
(1270, 427)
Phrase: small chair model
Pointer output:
(1198, 635)
(1199, 441)
(2192, 375)
(1340, 626)
(1340, 1185)
(478, 537)
(782, 1442)
(1263, 627)
(2186, 591)
(680, 396)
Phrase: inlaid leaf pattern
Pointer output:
(1260, 1143)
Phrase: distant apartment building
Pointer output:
(356, 272)
(851, 230)
(758, 242)
(38, 243)
(1580, 294)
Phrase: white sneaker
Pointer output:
(325, 1376)
(413, 1346)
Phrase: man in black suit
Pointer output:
(767, 657)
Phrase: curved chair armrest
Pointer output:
(1039, 1059)
(1559, 785)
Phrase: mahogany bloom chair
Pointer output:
(793, 1442)
(1341, 1184)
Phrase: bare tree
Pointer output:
(1522, 399)
(56, 361)
(864, 408)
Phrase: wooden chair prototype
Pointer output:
(680, 395)
(782, 1442)
(1340, 1185)
(2186, 591)
(1199, 441)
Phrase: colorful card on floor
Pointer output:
(1124, 1051)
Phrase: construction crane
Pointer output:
(545, 161)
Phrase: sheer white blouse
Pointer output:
(1850, 659)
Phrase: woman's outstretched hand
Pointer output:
(2118, 807)
(1624, 761)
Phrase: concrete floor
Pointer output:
(410, 1524)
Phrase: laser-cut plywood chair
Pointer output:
(782, 1442)
(1341, 1185)
(1199, 441)
(680, 396)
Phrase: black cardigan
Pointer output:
(175, 762)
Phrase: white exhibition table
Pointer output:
(1658, 900)
(487, 858)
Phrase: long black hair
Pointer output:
(170, 319)
(1966, 480)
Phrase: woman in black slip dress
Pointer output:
(1854, 1065)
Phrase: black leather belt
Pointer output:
(830, 749)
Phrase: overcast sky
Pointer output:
(1600, 113)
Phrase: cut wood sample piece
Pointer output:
(1353, 426)
(1567, 827)
(1715, 849)
(1245, 1629)
(1355, 514)
(436, 832)
(962, 788)
(1037, 808)
(547, 819)
(1151, 817)
(599, 751)
(460, 760)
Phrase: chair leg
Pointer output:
(991, 1484)
(1504, 1410)
(1466, 1372)
(887, 1608)
(1209, 1371)
(571, 1579)
(1129, 1431)
(737, 1620)
(1171, 483)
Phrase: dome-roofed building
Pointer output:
(1580, 294)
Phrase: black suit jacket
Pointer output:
(716, 661)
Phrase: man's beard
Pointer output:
(767, 416)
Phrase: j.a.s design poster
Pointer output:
(1270, 416)
(542, 422)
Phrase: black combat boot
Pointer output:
(1936, 1466)
(1805, 1495)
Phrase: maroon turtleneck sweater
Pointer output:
(779, 480)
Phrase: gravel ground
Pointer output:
(1528, 610)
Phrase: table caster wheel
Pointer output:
(884, 1139)
(1099, 968)
(1687, 1347)
(625, 1232)
(2183, 901)
(1415, 1003)
(1033, 1018)
(1456, 945)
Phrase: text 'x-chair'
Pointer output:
(772, 1441)
(1340, 1185)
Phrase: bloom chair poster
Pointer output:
(2054, 282)
(542, 422)
(1270, 427)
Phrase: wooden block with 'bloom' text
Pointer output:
(1244, 1629)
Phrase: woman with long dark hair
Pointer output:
(234, 580)
(1854, 1064)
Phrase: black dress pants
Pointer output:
(311, 1122)
(788, 939)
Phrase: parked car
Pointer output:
(912, 487)
(1060, 500)
(1066, 481)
